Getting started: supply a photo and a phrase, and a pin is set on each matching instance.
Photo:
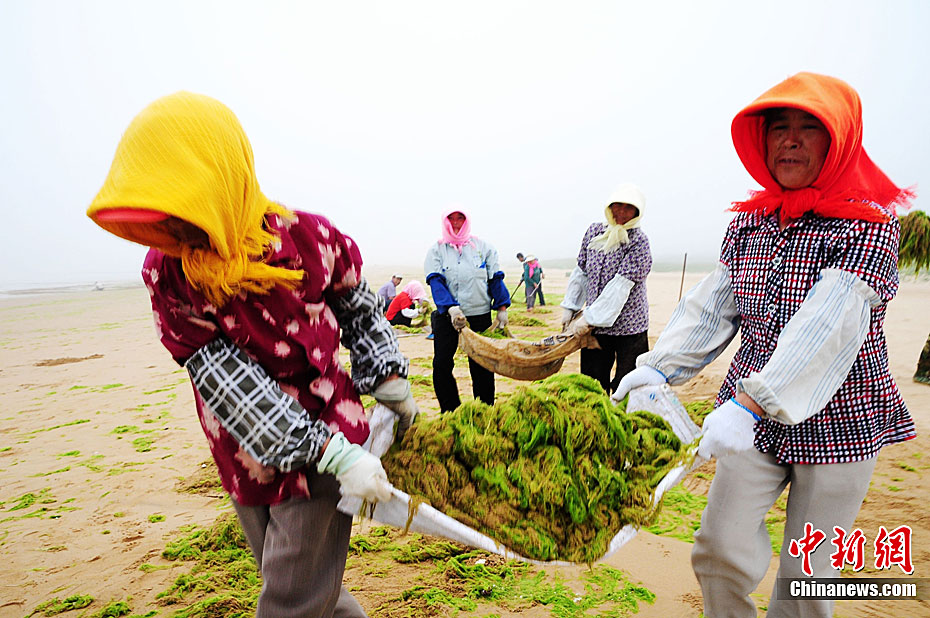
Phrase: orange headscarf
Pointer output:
(848, 181)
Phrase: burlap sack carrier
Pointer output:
(535, 360)
(522, 360)
(426, 520)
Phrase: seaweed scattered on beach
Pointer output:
(445, 577)
(56, 606)
(224, 579)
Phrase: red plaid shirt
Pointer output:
(771, 272)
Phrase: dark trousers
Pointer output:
(445, 343)
(400, 319)
(532, 293)
(622, 349)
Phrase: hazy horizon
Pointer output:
(511, 268)
(379, 115)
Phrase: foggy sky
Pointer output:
(379, 114)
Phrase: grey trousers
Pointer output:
(300, 547)
(732, 550)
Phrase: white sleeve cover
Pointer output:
(815, 350)
(576, 291)
(607, 306)
(701, 327)
(409, 313)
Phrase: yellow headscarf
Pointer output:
(187, 156)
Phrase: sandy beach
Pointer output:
(102, 460)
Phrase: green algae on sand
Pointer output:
(553, 472)
(496, 333)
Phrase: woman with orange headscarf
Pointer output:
(252, 299)
(806, 272)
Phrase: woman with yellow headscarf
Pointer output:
(252, 299)
(614, 252)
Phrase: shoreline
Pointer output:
(512, 268)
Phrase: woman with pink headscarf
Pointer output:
(407, 305)
(467, 283)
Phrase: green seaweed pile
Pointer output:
(496, 333)
(553, 472)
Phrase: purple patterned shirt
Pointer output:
(633, 260)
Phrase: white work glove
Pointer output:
(459, 321)
(579, 327)
(567, 315)
(395, 394)
(728, 430)
(502, 318)
(641, 376)
(359, 472)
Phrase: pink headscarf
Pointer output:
(449, 237)
(533, 264)
(415, 291)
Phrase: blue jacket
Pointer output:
(471, 279)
